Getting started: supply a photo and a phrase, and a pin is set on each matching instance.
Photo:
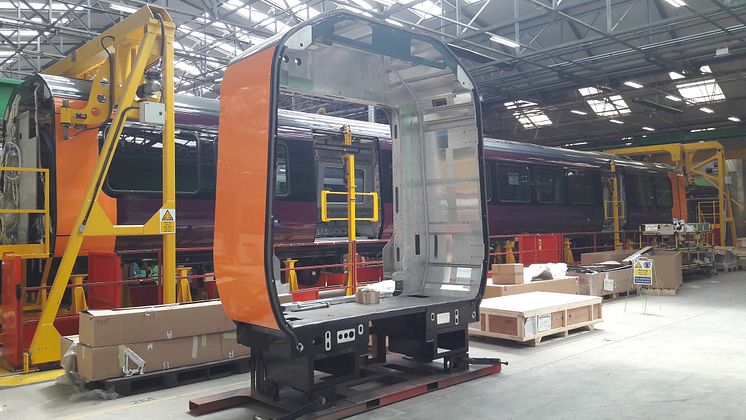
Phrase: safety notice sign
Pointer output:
(643, 272)
(168, 221)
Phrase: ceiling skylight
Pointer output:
(605, 106)
(701, 91)
(675, 75)
(426, 9)
(528, 114)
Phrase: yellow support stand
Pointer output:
(292, 276)
(185, 290)
(136, 42)
(509, 256)
(351, 214)
(79, 303)
(569, 258)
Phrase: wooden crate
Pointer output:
(528, 317)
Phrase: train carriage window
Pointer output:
(581, 186)
(282, 187)
(334, 180)
(639, 191)
(513, 184)
(662, 190)
(137, 164)
(549, 186)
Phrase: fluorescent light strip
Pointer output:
(648, 128)
(122, 8)
(575, 111)
(633, 84)
(673, 98)
(734, 119)
(616, 121)
(504, 41)
(707, 110)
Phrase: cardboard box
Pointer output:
(66, 342)
(600, 283)
(590, 258)
(667, 269)
(99, 328)
(99, 363)
(507, 273)
(230, 347)
(69, 362)
(667, 265)
(564, 285)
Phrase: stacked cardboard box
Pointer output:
(507, 273)
(130, 341)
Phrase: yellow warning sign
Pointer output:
(643, 272)
(168, 221)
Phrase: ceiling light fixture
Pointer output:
(707, 110)
(616, 121)
(734, 119)
(575, 111)
(124, 9)
(633, 84)
(504, 41)
(648, 128)
(673, 98)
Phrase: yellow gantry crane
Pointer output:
(131, 69)
(693, 159)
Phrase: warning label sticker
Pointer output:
(168, 221)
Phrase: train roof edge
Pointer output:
(204, 113)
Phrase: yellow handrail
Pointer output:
(31, 250)
(325, 211)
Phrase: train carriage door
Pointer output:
(330, 175)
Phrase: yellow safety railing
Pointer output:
(708, 212)
(609, 209)
(31, 250)
(325, 211)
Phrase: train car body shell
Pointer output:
(295, 218)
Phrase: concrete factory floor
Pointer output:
(685, 358)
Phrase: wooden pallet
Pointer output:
(658, 292)
(529, 317)
(617, 295)
(172, 377)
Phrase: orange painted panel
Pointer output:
(240, 198)
(76, 160)
(678, 188)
